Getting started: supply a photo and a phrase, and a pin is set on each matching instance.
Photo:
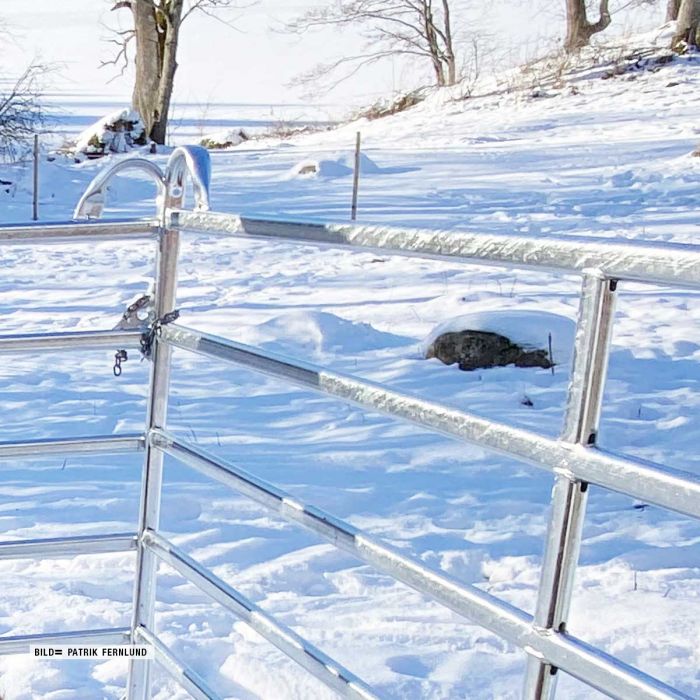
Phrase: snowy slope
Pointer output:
(610, 158)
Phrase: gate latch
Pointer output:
(138, 314)
(141, 315)
(149, 335)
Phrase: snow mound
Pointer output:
(341, 166)
(317, 333)
(116, 132)
(367, 165)
(528, 328)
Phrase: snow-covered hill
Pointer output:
(587, 155)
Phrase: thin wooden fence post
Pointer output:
(35, 193)
(356, 177)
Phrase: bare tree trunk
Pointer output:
(147, 62)
(672, 10)
(157, 31)
(172, 22)
(432, 40)
(449, 48)
(688, 24)
(578, 29)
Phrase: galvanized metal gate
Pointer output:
(574, 459)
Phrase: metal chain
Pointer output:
(148, 337)
(119, 357)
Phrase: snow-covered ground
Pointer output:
(610, 158)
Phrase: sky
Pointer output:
(254, 62)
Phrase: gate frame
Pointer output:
(574, 459)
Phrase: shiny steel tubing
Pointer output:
(115, 229)
(34, 342)
(328, 671)
(569, 496)
(184, 160)
(41, 449)
(665, 263)
(139, 680)
(67, 546)
(92, 203)
(675, 490)
(193, 162)
(187, 678)
(593, 667)
(23, 643)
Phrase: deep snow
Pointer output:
(611, 160)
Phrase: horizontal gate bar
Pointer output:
(115, 229)
(651, 483)
(105, 637)
(187, 678)
(665, 263)
(52, 447)
(330, 672)
(593, 667)
(68, 546)
(33, 342)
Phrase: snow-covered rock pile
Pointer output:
(117, 132)
(225, 139)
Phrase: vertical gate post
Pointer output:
(569, 496)
(139, 682)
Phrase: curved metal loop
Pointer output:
(92, 203)
(184, 160)
(195, 162)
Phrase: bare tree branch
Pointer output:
(211, 7)
(397, 27)
(121, 58)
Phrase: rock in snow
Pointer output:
(228, 138)
(499, 338)
(479, 350)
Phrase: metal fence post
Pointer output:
(139, 683)
(35, 180)
(569, 496)
(356, 177)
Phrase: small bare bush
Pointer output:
(21, 112)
